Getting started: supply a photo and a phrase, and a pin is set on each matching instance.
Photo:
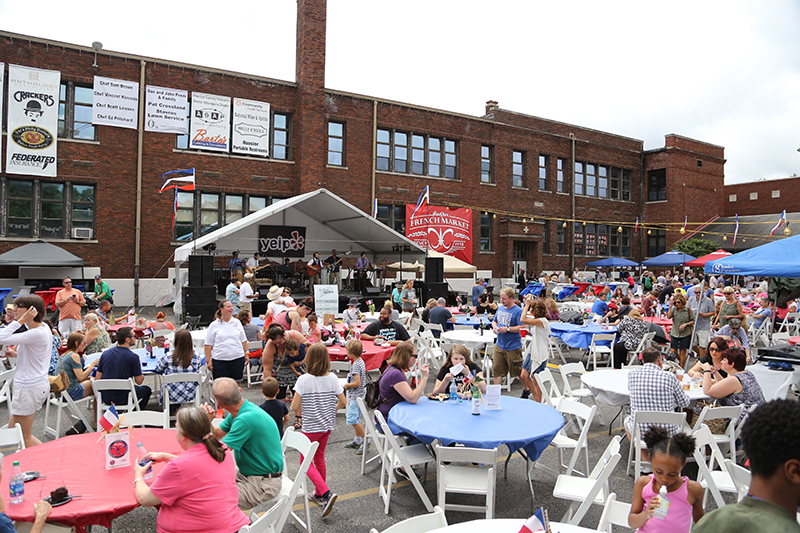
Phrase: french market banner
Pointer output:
(32, 121)
(211, 122)
(115, 103)
(250, 127)
(447, 230)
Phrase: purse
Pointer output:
(373, 397)
(58, 383)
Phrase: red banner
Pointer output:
(444, 229)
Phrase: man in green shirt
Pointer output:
(253, 436)
(770, 438)
(102, 290)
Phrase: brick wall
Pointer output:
(762, 197)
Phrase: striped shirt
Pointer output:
(318, 405)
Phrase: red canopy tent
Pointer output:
(701, 261)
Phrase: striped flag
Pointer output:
(685, 221)
(424, 198)
(735, 231)
(636, 227)
(110, 419)
(375, 208)
(778, 225)
(178, 179)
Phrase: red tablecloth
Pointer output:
(373, 355)
(794, 340)
(49, 298)
(665, 322)
(79, 463)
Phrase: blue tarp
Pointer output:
(532, 288)
(671, 258)
(780, 258)
(612, 262)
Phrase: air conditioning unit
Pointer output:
(81, 233)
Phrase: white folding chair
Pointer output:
(397, 457)
(649, 418)
(158, 419)
(294, 488)
(6, 384)
(583, 492)
(430, 353)
(741, 477)
(123, 385)
(11, 437)
(188, 377)
(206, 380)
(644, 343)
(59, 403)
(371, 435)
(614, 514)
(598, 347)
(571, 369)
(434, 327)
(712, 479)
(731, 414)
(265, 522)
(550, 393)
(790, 324)
(562, 441)
(760, 333)
(456, 473)
(253, 367)
(557, 346)
(418, 524)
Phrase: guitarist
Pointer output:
(313, 268)
(332, 262)
(252, 263)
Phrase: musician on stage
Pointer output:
(286, 271)
(314, 267)
(362, 264)
(333, 264)
(237, 267)
(252, 263)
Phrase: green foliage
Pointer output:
(696, 247)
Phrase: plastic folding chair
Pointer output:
(265, 522)
(550, 393)
(294, 488)
(644, 343)
(124, 385)
(614, 514)
(171, 379)
(731, 414)
(11, 437)
(158, 419)
(741, 477)
(573, 369)
(599, 347)
(712, 479)
(562, 441)
(371, 434)
(6, 382)
(456, 473)
(650, 418)
(418, 524)
(253, 367)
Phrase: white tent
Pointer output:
(330, 222)
(453, 265)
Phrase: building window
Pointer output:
(83, 206)
(234, 207)
(20, 208)
(282, 136)
(58, 208)
(336, 144)
(75, 112)
(657, 185)
(754, 196)
(213, 208)
(486, 231)
(393, 216)
(209, 212)
(383, 150)
(560, 169)
(427, 154)
(546, 237)
(620, 241)
(626, 186)
(591, 179)
(602, 182)
(486, 164)
(544, 161)
(602, 239)
(517, 169)
(418, 155)
(580, 178)
(732, 198)
(51, 220)
(776, 194)
(400, 152)
(578, 228)
(656, 242)
(184, 216)
(449, 159)
(255, 203)
(561, 244)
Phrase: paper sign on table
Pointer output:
(493, 397)
(118, 450)
(456, 369)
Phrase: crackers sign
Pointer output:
(444, 229)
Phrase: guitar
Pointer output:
(313, 270)
(332, 265)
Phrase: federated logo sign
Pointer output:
(209, 116)
(250, 130)
(32, 137)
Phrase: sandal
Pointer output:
(298, 422)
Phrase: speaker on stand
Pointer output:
(200, 301)
(201, 270)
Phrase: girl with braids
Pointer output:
(197, 489)
(668, 457)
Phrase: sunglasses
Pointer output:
(67, 283)
(714, 349)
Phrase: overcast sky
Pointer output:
(725, 72)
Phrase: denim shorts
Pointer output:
(528, 363)
(353, 413)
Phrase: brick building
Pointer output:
(550, 194)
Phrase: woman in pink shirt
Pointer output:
(197, 489)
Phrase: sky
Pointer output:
(725, 72)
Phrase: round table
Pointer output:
(473, 321)
(473, 340)
(610, 386)
(794, 340)
(578, 336)
(372, 355)
(79, 463)
(505, 525)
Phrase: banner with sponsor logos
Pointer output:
(2, 75)
(250, 127)
(282, 241)
(115, 103)
(444, 229)
(32, 121)
(165, 110)
(211, 122)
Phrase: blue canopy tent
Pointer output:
(780, 258)
(612, 262)
(671, 258)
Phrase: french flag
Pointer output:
(110, 419)
(779, 224)
(424, 198)
(178, 179)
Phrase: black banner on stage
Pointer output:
(282, 241)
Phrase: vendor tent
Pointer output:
(454, 265)
(329, 221)
(612, 262)
(671, 258)
(780, 258)
(40, 254)
(701, 261)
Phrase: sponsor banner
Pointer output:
(32, 121)
(250, 127)
(326, 300)
(211, 122)
(165, 110)
(444, 229)
(115, 103)
(282, 241)
(2, 74)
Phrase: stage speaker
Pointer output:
(200, 295)
(372, 292)
(201, 270)
(436, 290)
(434, 269)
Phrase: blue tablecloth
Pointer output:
(568, 291)
(519, 424)
(578, 336)
(532, 288)
(473, 321)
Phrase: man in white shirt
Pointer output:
(246, 294)
(252, 263)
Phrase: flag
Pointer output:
(369, 302)
(685, 220)
(778, 225)
(375, 209)
(636, 227)
(735, 231)
(538, 522)
(424, 198)
(178, 179)
(110, 419)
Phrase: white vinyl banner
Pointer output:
(250, 127)
(115, 103)
(32, 121)
(211, 122)
(166, 110)
(2, 74)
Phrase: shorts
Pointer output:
(353, 413)
(702, 338)
(256, 489)
(66, 326)
(507, 361)
(26, 401)
(528, 364)
(77, 393)
(680, 343)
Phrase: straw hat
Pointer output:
(274, 293)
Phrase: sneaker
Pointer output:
(312, 497)
(525, 394)
(360, 450)
(352, 445)
(327, 502)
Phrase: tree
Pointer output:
(696, 247)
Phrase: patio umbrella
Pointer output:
(613, 262)
(701, 261)
(671, 258)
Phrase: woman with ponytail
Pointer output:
(197, 489)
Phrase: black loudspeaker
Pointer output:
(434, 269)
(200, 295)
(373, 292)
(437, 290)
(201, 270)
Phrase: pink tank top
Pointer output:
(679, 517)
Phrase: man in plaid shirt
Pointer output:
(653, 389)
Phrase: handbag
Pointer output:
(58, 383)
(717, 426)
(373, 397)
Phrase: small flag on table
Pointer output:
(538, 522)
(110, 419)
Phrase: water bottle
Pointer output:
(476, 401)
(17, 485)
(358, 329)
(453, 391)
(143, 460)
(663, 505)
